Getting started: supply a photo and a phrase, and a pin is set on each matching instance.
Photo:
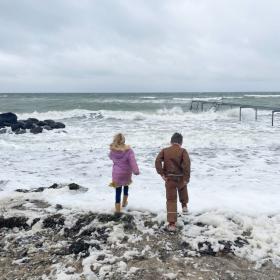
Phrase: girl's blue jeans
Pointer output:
(119, 193)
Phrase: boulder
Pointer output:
(18, 125)
(41, 123)
(73, 186)
(32, 120)
(7, 119)
(36, 129)
(20, 131)
(58, 125)
(54, 125)
(79, 247)
(3, 130)
(28, 125)
(49, 122)
(47, 127)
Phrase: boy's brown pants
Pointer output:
(172, 186)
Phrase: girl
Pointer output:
(124, 164)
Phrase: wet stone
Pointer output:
(100, 258)
(53, 186)
(58, 207)
(35, 221)
(78, 247)
(54, 221)
(12, 222)
(240, 242)
(73, 186)
(205, 248)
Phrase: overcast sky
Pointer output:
(147, 45)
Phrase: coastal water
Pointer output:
(144, 102)
(235, 177)
(234, 165)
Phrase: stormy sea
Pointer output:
(57, 211)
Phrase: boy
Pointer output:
(173, 164)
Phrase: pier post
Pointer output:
(256, 114)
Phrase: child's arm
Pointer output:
(158, 163)
(186, 166)
(133, 163)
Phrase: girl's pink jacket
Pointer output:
(124, 164)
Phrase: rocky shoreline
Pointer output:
(33, 125)
(43, 241)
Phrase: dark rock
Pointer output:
(3, 130)
(205, 248)
(49, 122)
(17, 126)
(32, 120)
(82, 222)
(78, 247)
(19, 222)
(22, 190)
(58, 125)
(41, 123)
(105, 218)
(36, 130)
(100, 258)
(87, 232)
(58, 207)
(129, 223)
(47, 127)
(28, 125)
(20, 131)
(199, 224)
(227, 246)
(7, 119)
(240, 242)
(73, 186)
(96, 246)
(185, 245)
(40, 189)
(54, 221)
(35, 221)
(53, 186)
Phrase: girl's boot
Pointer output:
(118, 208)
(124, 202)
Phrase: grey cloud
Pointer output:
(143, 45)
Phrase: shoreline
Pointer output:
(47, 241)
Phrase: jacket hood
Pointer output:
(119, 148)
(119, 154)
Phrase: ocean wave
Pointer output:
(62, 115)
(176, 113)
(263, 95)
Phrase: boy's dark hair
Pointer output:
(177, 138)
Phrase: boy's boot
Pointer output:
(124, 202)
(185, 209)
(171, 227)
(118, 208)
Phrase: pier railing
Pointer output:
(199, 105)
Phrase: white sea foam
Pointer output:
(262, 95)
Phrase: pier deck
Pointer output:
(199, 105)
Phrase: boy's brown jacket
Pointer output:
(175, 160)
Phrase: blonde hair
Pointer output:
(118, 142)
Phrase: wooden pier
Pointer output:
(199, 105)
